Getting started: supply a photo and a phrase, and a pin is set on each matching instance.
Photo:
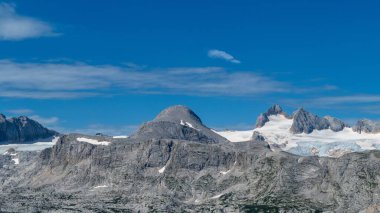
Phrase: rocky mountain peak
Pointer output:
(335, 124)
(24, 120)
(367, 126)
(306, 122)
(22, 129)
(263, 117)
(178, 122)
(275, 110)
(179, 113)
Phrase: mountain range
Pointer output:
(175, 163)
(306, 134)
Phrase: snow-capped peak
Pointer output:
(324, 142)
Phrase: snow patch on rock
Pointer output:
(225, 172)
(162, 170)
(185, 123)
(93, 141)
(101, 186)
(120, 136)
(16, 161)
(217, 196)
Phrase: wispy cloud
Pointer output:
(20, 111)
(16, 27)
(64, 80)
(222, 55)
(46, 121)
(356, 103)
(358, 99)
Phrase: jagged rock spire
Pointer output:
(306, 122)
(263, 117)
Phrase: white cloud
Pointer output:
(20, 111)
(222, 55)
(348, 99)
(46, 121)
(351, 104)
(64, 80)
(16, 27)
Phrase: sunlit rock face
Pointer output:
(178, 122)
(174, 165)
(263, 117)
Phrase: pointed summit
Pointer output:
(275, 110)
(306, 122)
(178, 122)
(264, 117)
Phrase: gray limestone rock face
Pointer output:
(263, 117)
(275, 110)
(261, 120)
(367, 126)
(172, 167)
(179, 113)
(22, 129)
(178, 122)
(335, 124)
(169, 175)
(256, 136)
(306, 122)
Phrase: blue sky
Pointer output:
(108, 66)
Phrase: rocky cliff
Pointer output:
(21, 130)
(306, 122)
(178, 122)
(160, 173)
(263, 117)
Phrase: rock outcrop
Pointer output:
(264, 117)
(168, 173)
(21, 130)
(175, 176)
(178, 122)
(256, 136)
(306, 122)
(335, 124)
(367, 126)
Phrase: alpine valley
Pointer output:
(297, 162)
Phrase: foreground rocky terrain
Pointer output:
(176, 164)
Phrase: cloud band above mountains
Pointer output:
(62, 80)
